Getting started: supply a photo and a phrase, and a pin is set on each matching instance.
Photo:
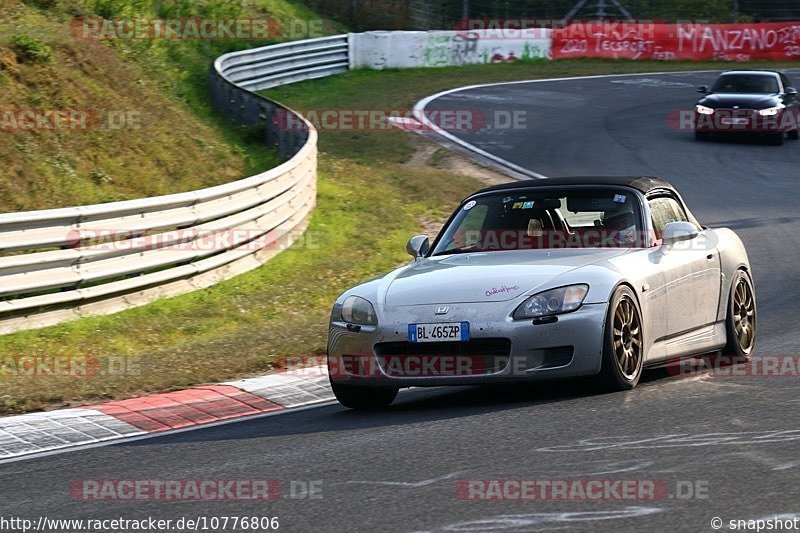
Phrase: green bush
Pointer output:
(42, 4)
(32, 50)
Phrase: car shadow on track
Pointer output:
(412, 407)
(735, 138)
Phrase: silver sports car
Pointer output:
(546, 279)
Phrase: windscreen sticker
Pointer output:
(603, 204)
(469, 205)
(620, 198)
(527, 205)
(517, 205)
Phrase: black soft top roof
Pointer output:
(644, 184)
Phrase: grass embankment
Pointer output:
(164, 136)
(370, 201)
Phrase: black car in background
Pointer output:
(758, 101)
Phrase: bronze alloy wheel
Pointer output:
(623, 347)
(627, 338)
(744, 315)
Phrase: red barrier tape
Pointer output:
(698, 42)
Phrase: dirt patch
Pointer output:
(8, 60)
(429, 154)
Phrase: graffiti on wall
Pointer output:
(466, 48)
(737, 42)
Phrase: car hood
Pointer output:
(744, 101)
(486, 276)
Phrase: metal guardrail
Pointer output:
(270, 66)
(61, 264)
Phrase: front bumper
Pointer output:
(743, 121)
(380, 355)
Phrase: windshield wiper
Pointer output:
(456, 251)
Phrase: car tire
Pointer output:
(793, 135)
(623, 346)
(776, 139)
(741, 320)
(366, 398)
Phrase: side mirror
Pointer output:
(679, 231)
(790, 91)
(703, 89)
(418, 246)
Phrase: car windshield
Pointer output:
(746, 83)
(544, 219)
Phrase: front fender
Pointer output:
(732, 257)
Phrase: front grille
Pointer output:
(730, 112)
(444, 359)
(499, 346)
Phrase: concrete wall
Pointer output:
(412, 49)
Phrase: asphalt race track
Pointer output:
(733, 441)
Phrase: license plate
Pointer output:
(735, 121)
(439, 332)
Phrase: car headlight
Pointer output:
(703, 110)
(357, 310)
(769, 112)
(552, 302)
